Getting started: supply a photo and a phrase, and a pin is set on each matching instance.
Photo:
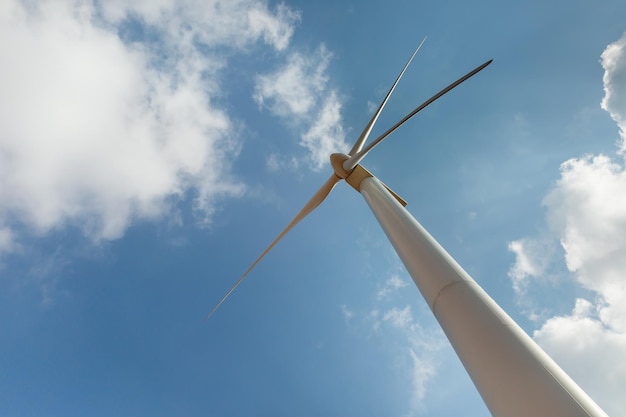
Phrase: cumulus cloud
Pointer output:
(298, 92)
(591, 353)
(111, 110)
(614, 101)
(586, 211)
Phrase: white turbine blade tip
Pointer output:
(350, 163)
(311, 205)
(358, 145)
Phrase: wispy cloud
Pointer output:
(527, 263)
(414, 347)
(399, 318)
(421, 352)
(423, 369)
(346, 312)
(7, 242)
(295, 88)
(586, 211)
(236, 24)
(298, 92)
(394, 282)
(534, 270)
(111, 110)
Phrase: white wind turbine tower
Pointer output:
(513, 375)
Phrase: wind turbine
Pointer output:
(513, 375)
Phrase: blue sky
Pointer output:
(150, 152)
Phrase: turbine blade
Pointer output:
(311, 205)
(351, 162)
(368, 128)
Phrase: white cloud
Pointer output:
(7, 243)
(401, 319)
(421, 354)
(590, 352)
(533, 261)
(325, 135)
(614, 101)
(587, 213)
(588, 210)
(525, 264)
(275, 162)
(533, 274)
(415, 348)
(424, 368)
(233, 23)
(346, 312)
(394, 282)
(97, 131)
(298, 92)
(294, 89)
(372, 106)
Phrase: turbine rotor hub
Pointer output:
(336, 161)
